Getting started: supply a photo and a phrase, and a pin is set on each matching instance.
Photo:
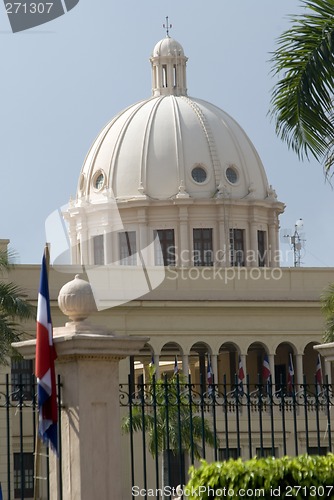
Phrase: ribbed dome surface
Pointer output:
(153, 147)
(168, 47)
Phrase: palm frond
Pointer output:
(301, 101)
(12, 301)
(327, 308)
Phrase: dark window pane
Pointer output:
(23, 463)
(98, 250)
(22, 373)
(165, 251)
(203, 247)
(237, 248)
(261, 244)
(128, 248)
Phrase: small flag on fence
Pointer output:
(152, 365)
(266, 373)
(209, 372)
(291, 373)
(176, 366)
(318, 374)
(45, 367)
(241, 375)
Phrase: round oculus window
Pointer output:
(232, 175)
(199, 174)
(99, 181)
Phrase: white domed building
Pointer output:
(175, 217)
(179, 168)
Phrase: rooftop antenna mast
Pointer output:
(297, 241)
(167, 26)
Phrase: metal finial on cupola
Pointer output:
(167, 26)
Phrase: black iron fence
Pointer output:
(171, 423)
(18, 429)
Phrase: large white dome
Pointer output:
(154, 146)
(178, 169)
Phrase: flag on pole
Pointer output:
(318, 374)
(209, 374)
(1, 497)
(241, 375)
(209, 371)
(291, 373)
(152, 364)
(176, 366)
(45, 367)
(266, 373)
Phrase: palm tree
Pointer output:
(327, 306)
(302, 100)
(170, 420)
(13, 307)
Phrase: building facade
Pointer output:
(175, 225)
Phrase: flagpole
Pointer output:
(38, 442)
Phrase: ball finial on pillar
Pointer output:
(76, 299)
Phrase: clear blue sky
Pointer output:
(61, 82)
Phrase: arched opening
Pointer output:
(170, 359)
(255, 357)
(198, 363)
(285, 367)
(310, 362)
(228, 363)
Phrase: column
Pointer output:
(299, 372)
(272, 245)
(243, 358)
(328, 371)
(253, 257)
(185, 365)
(214, 366)
(142, 245)
(157, 366)
(184, 246)
(88, 363)
(223, 250)
(84, 247)
(271, 358)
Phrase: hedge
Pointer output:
(304, 476)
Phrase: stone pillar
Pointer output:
(88, 358)
(243, 358)
(299, 369)
(185, 365)
(214, 366)
(157, 367)
(184, 253)
(271, 358)
(328, 372)
(254, 251)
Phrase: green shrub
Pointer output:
(304, 476)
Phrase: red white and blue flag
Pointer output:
(209, 373)
(318, 374)
(266, 373)
(291, 373)
(45, 366)
(241, 375)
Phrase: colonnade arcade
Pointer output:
(225, 361)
